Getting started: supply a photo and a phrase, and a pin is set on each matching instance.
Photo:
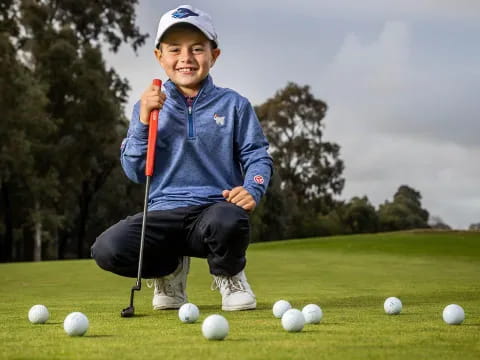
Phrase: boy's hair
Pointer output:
(184, 26)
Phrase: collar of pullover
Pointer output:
(172, 91)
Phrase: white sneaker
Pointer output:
(236, 292)
(170, 290)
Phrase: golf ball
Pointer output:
(312, 313)
(453, 314)
(293, 320)
(280, 307)
(75, 324)
(215, 327)
(392, 306)
(38, 314)
(188, 313)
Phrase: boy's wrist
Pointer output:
(144, 120)
(144, 115)
(140, 130)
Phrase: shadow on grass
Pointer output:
(134, 316)
(98, 336)
(253, 340)
(405, 314)
(264, 306)
(218, 307)
(210, 307)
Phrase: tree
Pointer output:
(404, 212)
(436, 222)
(24, 129)
(270, 218)
(474, 226)
(309, 168)
(77, 121)
(332, 223)
(305, 162)
(360, 216)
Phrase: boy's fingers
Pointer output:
(234, 193)
(158, 98)
(249, 206)
(241, 196)
(243, 202)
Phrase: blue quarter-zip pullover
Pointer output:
(213, 145)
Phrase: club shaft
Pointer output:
(149, 168)
(142, 237)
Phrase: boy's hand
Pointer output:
(240, 197)
(152, 98)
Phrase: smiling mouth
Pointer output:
(186, 70)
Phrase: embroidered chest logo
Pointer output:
(220, 120)
(258, 179)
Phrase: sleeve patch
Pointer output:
(258, 179)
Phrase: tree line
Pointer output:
(63, 120)
(302, 199)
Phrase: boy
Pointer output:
(211, 169)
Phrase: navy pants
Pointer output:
(218, 232)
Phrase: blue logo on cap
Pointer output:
(182, 13)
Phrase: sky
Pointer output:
(401, 80)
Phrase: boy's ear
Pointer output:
(215, 54)
(158, 54)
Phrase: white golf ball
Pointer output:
(312, 313)
(293, 320)
(38, 314)
(75, 324)
(215, 327)
(188, 313)
(392, 306)
(280, 307)
(453, 314)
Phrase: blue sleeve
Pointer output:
(134, 148)
(252, 147)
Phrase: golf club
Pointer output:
(149, 167)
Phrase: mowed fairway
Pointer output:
(349, 277)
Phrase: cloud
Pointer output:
(399, 123)
(380, 9)
(393, 94)
(378, 68)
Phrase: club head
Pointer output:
(128, 312)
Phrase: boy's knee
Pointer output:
(229, 218)
(107, 250)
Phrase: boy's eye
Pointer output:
(174, 50)
(198, 49)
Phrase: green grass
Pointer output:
(349, 277)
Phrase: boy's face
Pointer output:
(186, 56)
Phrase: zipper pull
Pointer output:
(190, 110)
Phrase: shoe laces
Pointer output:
(162, 286)
(228, 284)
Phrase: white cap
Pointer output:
(190, 15)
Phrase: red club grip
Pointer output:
(152, 136)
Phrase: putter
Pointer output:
(149, 167)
